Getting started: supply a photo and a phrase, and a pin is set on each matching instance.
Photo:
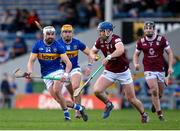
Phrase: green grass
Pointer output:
(53, 120)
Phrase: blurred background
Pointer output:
(18, 33)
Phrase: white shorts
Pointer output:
(58, 73)
(74, 71)
(155, 75)
(124, 77)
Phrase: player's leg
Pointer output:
(130, 95)
(75, 81)
(99, 87)
(79, 108)
(161, 90)
(128, 87)
(54, 90)
(70, 89)
(154, 89)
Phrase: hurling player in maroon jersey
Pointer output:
(116, 68)
(153, 46)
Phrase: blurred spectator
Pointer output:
(4, 54)
(29, 86)
(67, 13)
(13, 89)
(6, 20)
(19, 46)
(39, 35)
(176, 67)
(83, 14)
(8, 90)
(20, 21)
(30, 21)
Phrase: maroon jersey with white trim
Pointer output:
(117, 64)
(153, 52)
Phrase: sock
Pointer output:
(159, 113)
(77, 107)
(142, 114)
(66, 113)
(108, 103)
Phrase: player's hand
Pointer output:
(97, 57)
(27, 75)
(137, 66)
(65, 77)
(170, 71)
(104, 61)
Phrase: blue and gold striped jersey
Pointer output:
(49, 56)
(72, 50)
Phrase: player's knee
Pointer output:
(75, 86)
(154, 93)
(131, 100)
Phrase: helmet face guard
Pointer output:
(149, 28)
(49, 34)
(107, 27)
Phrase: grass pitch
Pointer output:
(53, 120)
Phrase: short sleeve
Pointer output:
(81, 45)
(35, 48)
(138, 46)
(97, 44)
(165, 43)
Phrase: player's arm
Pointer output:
(67, 62)
(87, 52)
(93, 53)
(136, 59)
(118, 52)
(170, 60)
(30, 63)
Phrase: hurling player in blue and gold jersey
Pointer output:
(50, 54)
(73, 46)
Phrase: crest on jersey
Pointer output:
(75, 47)
(150, 43)
(55, 49)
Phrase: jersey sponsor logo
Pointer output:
(152, 53)
(44, 56)
(68, 47)
(72, 54)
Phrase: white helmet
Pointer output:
(48, 29)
